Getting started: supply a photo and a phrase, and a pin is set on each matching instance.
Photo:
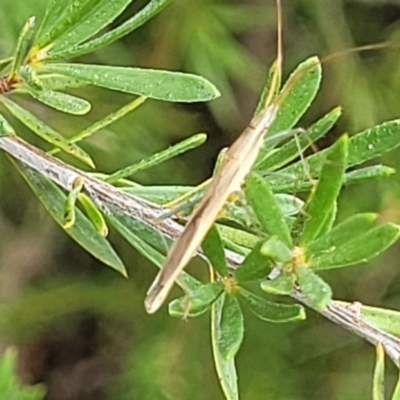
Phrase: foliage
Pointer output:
(10, 388)
(287, 247)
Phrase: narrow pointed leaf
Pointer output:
(127, 227)
(316, 290)
(30, 78)
(158, 194)
(269, 311)
(60, 17)
(283, 284)
(361, 249)
(197, 303)
(396, 392)
(363, 146)
(347, 230)
(45, 132)
(22, 44)
(139, 227)
(60, 82)
(94, 214)
(296, 183)
(262, 102)
(378, 385)
(303, 85)
(61, 101)
(329, 220)
(146, 13)
(236, 248)
(290, 150)
(231, 330)
(237, 236)
(173, 151)
(214, 250)
(102, 123)
(226, 369)
(277, 250)
(54, 12)
(98, 17)
(371, 172)
(5, 128)
(255, 266)
(69, 214)
(82, 231)
(323, 198)
(267, 210)
(385, 319)
(155, 84)
(289, 204)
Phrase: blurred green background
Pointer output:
(80, 327)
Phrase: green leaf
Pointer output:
(347, 230)
(302, 87)
(270, 311)
(94, 214)
(82, 231)
(60, 16)
(100, 14)
(140, 227)
(323, 198)
(371, 172)
(30, 78)
(277, 250)
(61, 101)
(383, 318)
(69, 214)
(10, 386)
(262, 102)
(378, 385)
(329, 220)
(255, 266)
(396, 392)
(288, 183)
(290, 150)
(173, 151)
(226, 369)
(45, 132)
(55, 12)
(230, 330)
(149, 11)
(363, 146)
(155, 84)
(127, 227)
(289, 204)
(283, 284)
(4, 62)
(5, 128)
(316, 290)
(356, 251)
(197, 303)
(263, 202)
(60, 82)
(107, 120)
(214, 250)
(22, 45)
(237, 236)
(158, 194)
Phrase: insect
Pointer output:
(237, 163)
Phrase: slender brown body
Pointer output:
(237, 163)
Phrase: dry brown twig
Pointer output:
(109, 198)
